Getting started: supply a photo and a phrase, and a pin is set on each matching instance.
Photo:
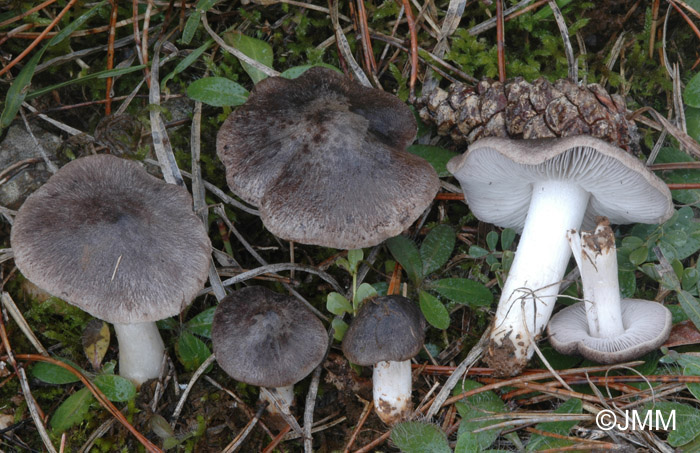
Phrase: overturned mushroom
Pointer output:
(544, 188)
(325, 160)
(267, 339)
(604, 328)
(124, 246)
(386, 333)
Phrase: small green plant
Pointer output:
(419, 264)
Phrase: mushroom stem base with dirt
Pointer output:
(141, 351)
(596, 258)
(532, 286)
(283, 395)
(391, 389)
(604, 328)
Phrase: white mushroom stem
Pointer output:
(280, 399)
(597, 260)
(532, 285)
(391, 389)
(141, 351)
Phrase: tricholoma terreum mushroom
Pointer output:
(126, 247)
(267, 339)
(543, 188)
(386, 333)
(604, 328)
(324, 158)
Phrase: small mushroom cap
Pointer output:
(388, 328)
(647, 325)
(324, 158)
(267, 339)
(113, 240)
(497, 176)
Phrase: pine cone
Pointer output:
(518, 109)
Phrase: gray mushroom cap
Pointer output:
(647, 326)
(267, 339)
(113, 240)
(324, 158)
(497, 175)
(388, 328)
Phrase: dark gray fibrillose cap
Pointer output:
(324, 158)
(388, 328)
(497, 174)
(267, 339)
(647, 326)
(113, 240)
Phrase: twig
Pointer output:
(500, 40)
(271, 446)
(237, 53)
(363, 417)
(34, 43)
(238, 440)
(273, 268)
(474, 355)
(24, 384)
(199, 203)
(414, 48)
(58, 124)
(344, 46)
(568, 50)
(110, 55)
(22, 323)
(180, 404)
(101, 398)
(27, 13)
(42, 152)
(161, 142)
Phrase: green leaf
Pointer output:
(463, 291)
(256, 49)
(201, 324)
(296, 71)
(193, 21)
(342, 262)
(364, 291)
(476, 406)
(687, 420)
(187, 61)
(115, 388)
(354, 258)
(437, 248)
(691, 95)
(539, 442)
(639, 255)
(95, 75)
(419, 437)
(72, 411)
(54, 374)
(436, 156)
(337, 304)
(408, 256)
(217, 91)
(339, 328)
(691, 367)
(191, 351)
(477, 252)
(17, 91)
(692, 120)
(434, 311)
(492, 240)
(628, 283)
(690, 305)
(507, 238)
